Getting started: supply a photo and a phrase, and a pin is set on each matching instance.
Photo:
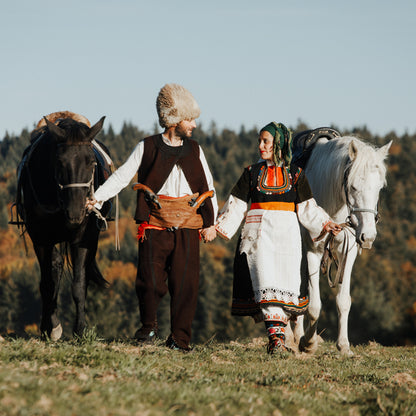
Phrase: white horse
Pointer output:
(346, 176)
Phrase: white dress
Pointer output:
(270, 237)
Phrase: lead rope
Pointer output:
(117, 214)
(117, 231)
(100, 216)
(328, 257)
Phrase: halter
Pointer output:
(351, 208)
(89, 184)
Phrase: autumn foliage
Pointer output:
(383, 282)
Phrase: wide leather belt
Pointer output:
(171, 212)
(176, 213)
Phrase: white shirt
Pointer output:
(175, 185)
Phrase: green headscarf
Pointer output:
(282, 141)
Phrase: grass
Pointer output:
(89, 376)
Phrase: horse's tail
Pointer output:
(94, 275)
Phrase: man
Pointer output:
(172, 173)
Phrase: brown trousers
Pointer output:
(169, 261)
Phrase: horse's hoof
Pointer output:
(291, 344)
(56, 333)
(1, 339)
(308, 347)
(345, 350)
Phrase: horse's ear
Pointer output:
(352, 150)
(55, 130)
(95, 129)
(384, 150)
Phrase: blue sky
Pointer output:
(326, 62)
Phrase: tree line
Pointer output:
(383, 283)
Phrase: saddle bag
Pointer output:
(176, 213)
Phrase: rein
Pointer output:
(328, 257)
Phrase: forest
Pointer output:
(383, 282)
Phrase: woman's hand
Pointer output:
(208, 234)
(332, 227)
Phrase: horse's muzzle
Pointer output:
(74, 222)
(365, 242)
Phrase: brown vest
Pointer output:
(157, 163)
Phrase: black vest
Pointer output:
(157, 163)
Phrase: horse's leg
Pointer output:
(293, 333)
(309, 341)
(51, 267)
(343, 301)
(290, 338)
(297, 329)
(79, 258)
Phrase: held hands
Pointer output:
(332, 227)
(208, 234)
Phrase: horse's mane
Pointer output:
(75, 132)
(328, 163)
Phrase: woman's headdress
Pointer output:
(282, 141)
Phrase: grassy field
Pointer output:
(95, 377)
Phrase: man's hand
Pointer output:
(90, 203)
(208, 234)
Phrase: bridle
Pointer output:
(328, 256)
(351, 208)
(89, 184)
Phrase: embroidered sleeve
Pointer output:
(230, 217)
(241, 189)
(303, 189)
(312, 217)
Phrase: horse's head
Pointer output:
(364, 177)
(74, 165)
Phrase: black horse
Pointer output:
(57, 174)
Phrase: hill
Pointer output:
(94, 377)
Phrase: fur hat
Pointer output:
(175, 104)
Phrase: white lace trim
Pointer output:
(270, 293)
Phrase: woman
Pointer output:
(270, 249)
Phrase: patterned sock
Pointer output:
(276, 334)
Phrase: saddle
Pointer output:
(304, 142)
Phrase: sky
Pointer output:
(327, 63)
